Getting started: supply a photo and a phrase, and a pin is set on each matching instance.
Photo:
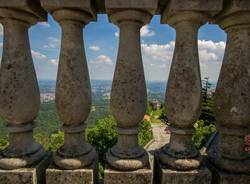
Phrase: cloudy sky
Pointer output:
(101, 43)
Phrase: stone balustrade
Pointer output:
(25, 162)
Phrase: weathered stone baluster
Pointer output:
(19, 95)
(183, 94)
(19, 92)
(73, 91)
(128, 96)
(232, 99)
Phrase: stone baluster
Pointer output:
(183, 93)
(232, 98)
(73, 91)
(183, 96)
(19, 92)
(128, 95)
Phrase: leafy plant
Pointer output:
(103, 136)
(203, 131)
(145, 133)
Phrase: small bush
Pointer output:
(50, 143)
(103, 136)
(3, 143)
(203, 131)
(145, 133)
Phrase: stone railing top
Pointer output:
(29, 6)
(211, 7)
(83, 5)
(239, 9)
(234, 6)
(144, 5)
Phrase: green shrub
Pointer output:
(103, 136)
(50, 143)
(3, 143)
(203, 131)
(145, 133)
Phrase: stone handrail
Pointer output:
(25, 161)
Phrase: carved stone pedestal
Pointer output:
(166, 175)
(223, 177)
(32, 175)
(140, 176)
(89, 175)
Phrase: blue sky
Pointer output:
(101, 44)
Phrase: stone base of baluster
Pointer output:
(142, 176)
(224, 177)
(32, 175)
(89, 175)
(167, 175)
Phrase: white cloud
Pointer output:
(53, 43)
(157, 58)
(158, 52)
(147, 32)
(46, 68)
(94, 48)
(116, 34)
(210, 51)
(38, 56)
(54, 61)
(102, 59)
(1, 30)
(44, 24)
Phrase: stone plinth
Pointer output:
(166, 175)
(141, 176)
(222, 177)
(88, 175)
(32, 175)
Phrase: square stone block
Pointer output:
(195, 5)
(142, 176)
(32, 175)
(30, 6)
(78, 176)
(223, 177)
(84, 5)
(169, 176)
(234, 6)
(149, 5)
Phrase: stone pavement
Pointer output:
(161, 137)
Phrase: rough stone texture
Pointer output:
(73, 90)
(166, 175)
(232, 97)
(145, 5)
(140, 176)
(20, 97)
(222, 177)
(78, 176)
(233, 6)
(32, 175)
(195, 5)
(128, 95)
(209, 7)
(197, 176)
(79, 5)
(183, 97)
(30, 6)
